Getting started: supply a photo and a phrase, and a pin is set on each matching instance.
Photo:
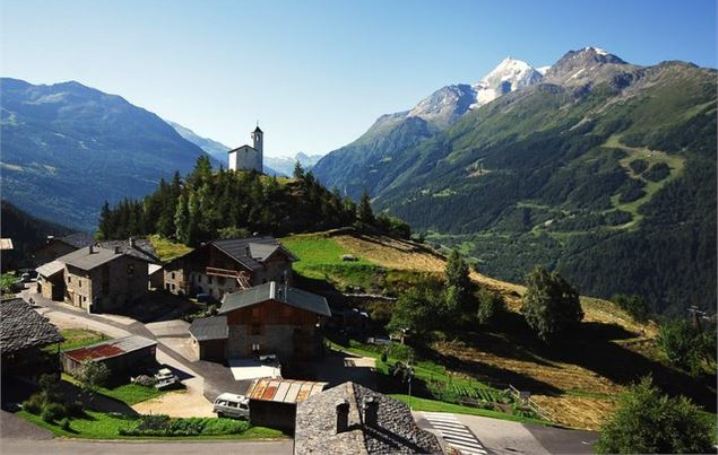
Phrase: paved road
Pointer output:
(502, 437)
(455, 434)
(78, 447)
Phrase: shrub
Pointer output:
(144, 380)
(65, 424)
(93, 375)
(34, 403)
(491, 304)
(684, 345)
(648, 422)
(550, 305)
(75, 408)
(52, 412)
(634, 305)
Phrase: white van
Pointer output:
(231, 405)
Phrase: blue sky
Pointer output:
(316, 74)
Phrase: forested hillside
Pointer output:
(207, 205)
(27, 233)
(605, 171)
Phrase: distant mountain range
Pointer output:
(281, 166)
(66, 148)
(603, 170)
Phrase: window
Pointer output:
(255, 347)
(173, 287)
(255, 329)
(69, 279)
(173, 275)
(167, 286)
(130, 269)
(79, 283)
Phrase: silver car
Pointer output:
(231, 405)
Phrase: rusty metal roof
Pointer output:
(283, 390)
(112, 348)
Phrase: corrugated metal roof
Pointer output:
(272, 291)
(51, 268)
(283, 390)
(112, 348)
(212, 328)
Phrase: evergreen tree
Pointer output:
(459, 296)
(365, 214)
(105, 222)
(182, 220)
(298, 171)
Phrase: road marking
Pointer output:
(456, 434)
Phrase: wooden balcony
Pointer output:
(224, 273)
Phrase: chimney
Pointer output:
(117, 250)
(92, 249)
(132, 242)
(342, 407)
(371, 408)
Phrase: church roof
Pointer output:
(257, 130)
(245, 146)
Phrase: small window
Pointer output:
(209, 280)
(79, 283)
(130, 269)
(255, 347)
(173, 287)
(173, 275)
(243, 407)
(256, 329)
(167, 286)
(231, 404)
(69, 279)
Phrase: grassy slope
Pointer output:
(578, 388)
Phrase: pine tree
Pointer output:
(460, 300)
(105, 223)
(298, 171)
(365, 214)
(182, 220)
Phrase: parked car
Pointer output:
(231, 405)
(165, 378)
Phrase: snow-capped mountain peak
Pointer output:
(509, 75)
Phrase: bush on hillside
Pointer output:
(550, 305)
(491, 305)
(647, 421)
(634, 305)
(685, 346)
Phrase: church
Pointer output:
(246, 157)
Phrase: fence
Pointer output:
(526, 400)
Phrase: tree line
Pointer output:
(206, 205)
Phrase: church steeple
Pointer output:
(258, 138)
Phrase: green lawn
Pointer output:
(127, 393)
(77, 338)
(316, 250)
(423, 404)
(99, 425)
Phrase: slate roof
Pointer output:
(274, 291)
(22, 327)
(109, 349)
(245, 146)
(212, 328)
(51, 268)
(78, 239)
(83, 260)
(395, 432)
(142, 249)
(251, 252)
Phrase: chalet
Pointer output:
(223, 266)
(271, 318)
(96, 279)
(23, 334)
(352, 419)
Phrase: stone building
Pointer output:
(247, 157)
(354, 420)
(23, 334)
(267, 319)
(94, 278)
(223, 266)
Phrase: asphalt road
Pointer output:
(77, 447)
